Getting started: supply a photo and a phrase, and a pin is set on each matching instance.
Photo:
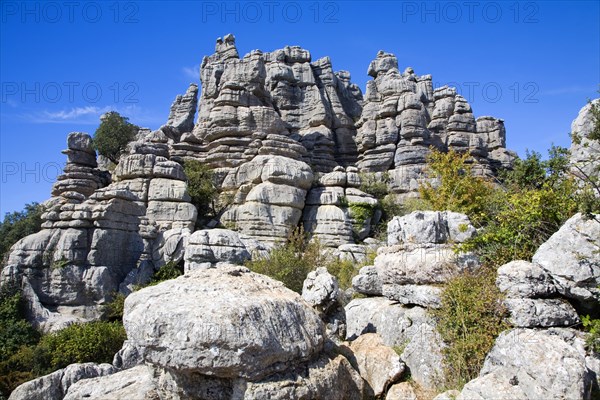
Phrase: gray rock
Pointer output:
(321, 289)
(225, 322)
(518, 364)
(367, 281)
(378, 365)
(183, 110)
(519, 279)
(395, 323)
(424, 358)
(585, 153)
(572, 257)
(422, 295)
(208, 247)
(531, 313)
(134, 383)
(58, 383)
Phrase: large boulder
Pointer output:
(379, 365)
(572, 258)
(55, 386)
(226, 322)
(533, 364)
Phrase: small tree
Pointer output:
(113, 135)
(17, 225)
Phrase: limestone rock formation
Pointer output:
(379, 365)
(585, 153)
(223, 333)
(403, 116)
(58, 383)
(517, 366)
(571, 257)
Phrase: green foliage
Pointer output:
(360, 212)
(592, 326)
(343, 270)
(376, 186)
(17, 225)
(202, 188)
(458, 189)
(170, 270)
(469, 320)
(291, 262)
(59, 264)
(528, 210)
(15, 331)
(113, 135)
(113, 311)
(15, 334)
(90, 342)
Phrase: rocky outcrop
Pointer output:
(229, 333)
(379, 365)
(419, 256)
(93, 245)
(337, 212)
(517, 366)
(585, 152)
(572, 258)
(58, 383)
(403, 116)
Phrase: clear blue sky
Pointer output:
(62, 64)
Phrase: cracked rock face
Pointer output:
(226, 322)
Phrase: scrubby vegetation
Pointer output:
(291, 262)
(26, 354)
(469, 320)
(514, 215)
(17, 225)
(113, 135)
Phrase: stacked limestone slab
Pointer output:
(94, 244)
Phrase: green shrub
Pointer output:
(360, 212)
(291, 262)
(113, 311)
(201, 187)
(113, 135)
(343, 270)
(170, 270)
(17, 225)
(375, 186)
(469, 320)
(78, 343)
(592, 326)
(458, 189)
(15, 331)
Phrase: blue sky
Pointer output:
(62, 64)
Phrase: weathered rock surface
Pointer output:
(401, 391)
(409, 328)
(529, 313)
(209, 247)
(57, 384)
(572, 257)
(135, 383)
(420, 256)
(225, 322)
(518, 367)
(522, 279)
(585, 153)
(378, 364)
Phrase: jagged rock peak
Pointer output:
(383, 63)
(183, 110)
